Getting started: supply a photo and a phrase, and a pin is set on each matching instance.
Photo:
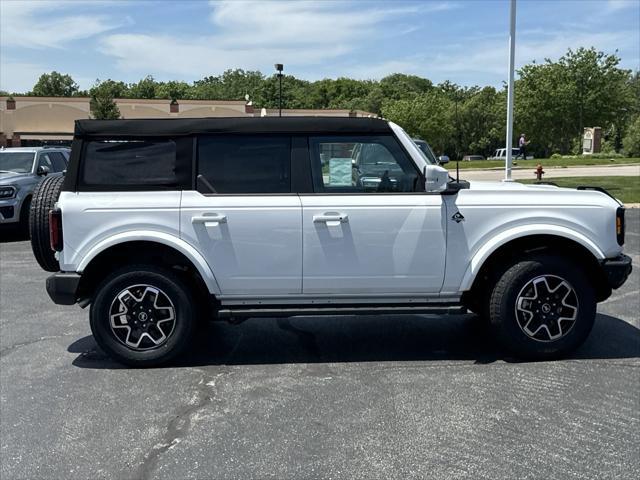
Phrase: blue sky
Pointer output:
(464, 41)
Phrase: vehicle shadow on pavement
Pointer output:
(10, 233)
(362, 339)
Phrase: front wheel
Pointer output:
(542, 307)
(142, 316)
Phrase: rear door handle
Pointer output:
(331, 219)
(209, 220)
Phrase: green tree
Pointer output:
(634, 93)
(145, 88)
(231, 85)
(103, 95)
(371, 102)
(208, 88)
(482, 121)
(174, 90)
(235, 84)
(556, 100)
(116, 89)
(631, 141)
(294, 93)
(55, 84)
(427, 116)
(399, 86)
(338, 93)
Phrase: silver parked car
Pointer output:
(21, 169)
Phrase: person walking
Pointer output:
(522, 144)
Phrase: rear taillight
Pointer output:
(620, 225)
(55, 229)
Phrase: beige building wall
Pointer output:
(42, 119)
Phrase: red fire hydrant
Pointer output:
(539, 172)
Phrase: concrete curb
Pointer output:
(632, 205)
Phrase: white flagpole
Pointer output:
(512, 55)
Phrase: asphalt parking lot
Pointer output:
(345, 397)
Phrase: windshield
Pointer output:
(16, 162)
(429, 153)
(406, 136)
(426, 152)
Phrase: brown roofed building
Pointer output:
(32, 121)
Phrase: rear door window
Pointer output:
(231, 164)
(129, 163)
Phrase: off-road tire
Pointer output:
(510, 285)
(44, 199)
(168, 284)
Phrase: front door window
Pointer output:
(366, 164)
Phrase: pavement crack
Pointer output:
(11, 348)
(180, 424)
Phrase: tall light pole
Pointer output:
(512, 55)
(279, 68)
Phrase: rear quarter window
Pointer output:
(124, 164)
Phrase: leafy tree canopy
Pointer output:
(554, 101)
(103, 95)
(55, 84)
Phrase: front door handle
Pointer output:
(209, 220)
(331, 219)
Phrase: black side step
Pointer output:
(231, 313)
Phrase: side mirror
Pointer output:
(436, 178)
(442, 159)
(43, 170)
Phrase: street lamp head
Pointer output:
(279, 67)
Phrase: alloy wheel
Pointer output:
(546, 308)
(142, 317)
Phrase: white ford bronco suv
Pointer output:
(160, 223)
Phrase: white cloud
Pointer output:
(19, 76)
(46, 24)
(489, 57)
(257, 34)
(200, 56)
(250, 23)
(614, 5)
(407, 65)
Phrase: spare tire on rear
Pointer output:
(44, 199)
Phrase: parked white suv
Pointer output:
(160, 223)
(501, 154)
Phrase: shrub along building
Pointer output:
(33, 121)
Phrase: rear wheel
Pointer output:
(542, 307)
(142, 316)
(44, 199)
